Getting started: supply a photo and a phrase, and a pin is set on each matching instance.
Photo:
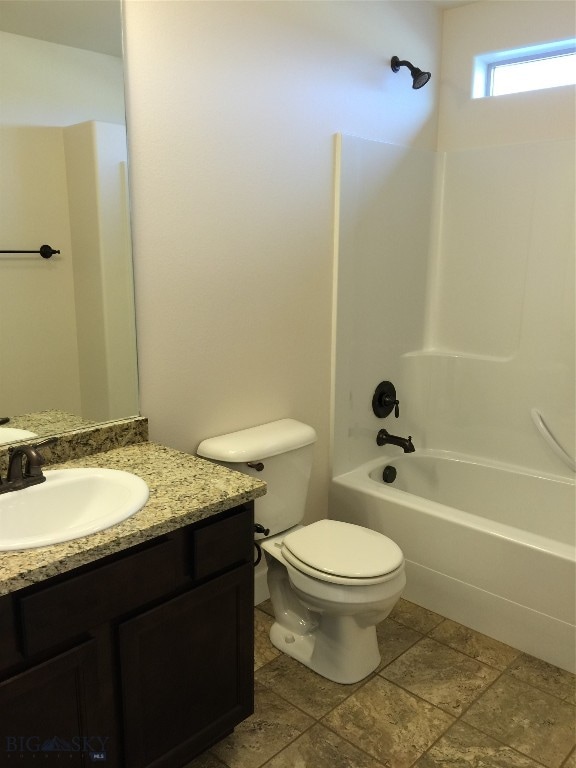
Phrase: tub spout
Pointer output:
(384, 438)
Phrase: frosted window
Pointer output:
(525, 69)
(533, 75)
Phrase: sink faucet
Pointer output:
(24, 467)
(384, 437)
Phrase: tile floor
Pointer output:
(444, 696)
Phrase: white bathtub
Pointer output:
(489, 546)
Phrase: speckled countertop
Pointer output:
(48, 422)
(183, 489)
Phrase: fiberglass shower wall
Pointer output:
(385, 205)
(500, 327)
(456, 270)
(500, 332)
(476, 331)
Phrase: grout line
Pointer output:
(490, 736)
(568, 756)
(288, 744)
(385, 763)
(416, 696)
(328, 711)
(492, 666)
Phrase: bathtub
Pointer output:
(489, 546)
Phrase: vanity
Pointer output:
(133, 646)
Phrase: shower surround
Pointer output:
(456, 283)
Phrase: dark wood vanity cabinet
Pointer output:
(140, 660)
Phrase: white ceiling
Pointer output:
(91, 24)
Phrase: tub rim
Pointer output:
(359, 478)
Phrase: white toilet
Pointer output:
(330, 582)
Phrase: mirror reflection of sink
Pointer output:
(12, 435)
(71, 503)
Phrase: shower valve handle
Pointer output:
(385, 401)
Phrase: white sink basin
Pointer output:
(12, 435)
(70, 504)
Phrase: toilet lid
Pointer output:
(343, 549)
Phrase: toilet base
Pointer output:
(338, 649)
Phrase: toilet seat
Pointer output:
(342, 553)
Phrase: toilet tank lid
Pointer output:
(257, 443)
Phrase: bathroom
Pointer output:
(233, 109)
(246, 263)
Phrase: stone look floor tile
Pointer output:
(414, 616)
(321, 748)
(264, 651)
(465, 747)
(266, 606)
(444, 677)
(206, 760)
(527, 719)
(474, 644)
(542, 675)
(274, 724)
(302, 687)
(387, 722)
(407, 712)
(394, 639)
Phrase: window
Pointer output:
(525, 69)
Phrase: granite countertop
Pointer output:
(48, 422)
(183, 489)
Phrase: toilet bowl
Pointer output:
(326, 619)
(330, 582)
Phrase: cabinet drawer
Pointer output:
(56, 614)
(223, 544)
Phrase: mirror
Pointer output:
(67, 325)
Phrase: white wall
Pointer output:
(44, 87)
(233, 108)
(37, 321)
(47, 84)
(103, 281)
(496, 25)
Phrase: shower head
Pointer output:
(419, 78)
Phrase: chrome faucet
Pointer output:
(24, 466)
(384, 438)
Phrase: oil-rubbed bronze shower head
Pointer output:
(419, 78)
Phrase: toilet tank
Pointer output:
(284, 448)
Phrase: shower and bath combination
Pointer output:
(419, 78)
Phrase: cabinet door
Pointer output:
(187, 671)
(54, 710)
